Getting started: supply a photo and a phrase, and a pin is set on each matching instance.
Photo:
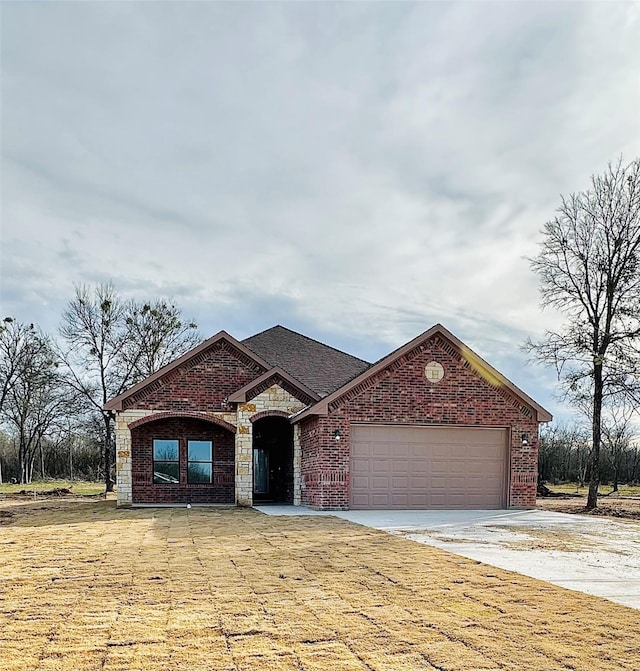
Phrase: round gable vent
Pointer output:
(433, 371)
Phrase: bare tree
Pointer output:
(617, 433)
(36, 400)
(158, 335)
(95, 336)
(19, 345)
(589, 269)
(109, 344)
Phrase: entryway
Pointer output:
(273, 460)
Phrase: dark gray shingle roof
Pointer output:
(320, 367)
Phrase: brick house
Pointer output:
(282, 418)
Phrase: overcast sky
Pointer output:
(354, 171)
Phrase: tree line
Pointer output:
(565, 454)
(53, 388)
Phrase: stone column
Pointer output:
(123, 464)
(244, 455)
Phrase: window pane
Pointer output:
(165, 450)
(199, 450)
(165, 472)
(199, 473)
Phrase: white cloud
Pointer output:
(359, 171)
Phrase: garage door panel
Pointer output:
(400, 466)
(399, 501)
(379, 466)
(427, 467)
(419, 467)
(439, 467)
(360, 501)
(400, 449)
(382, 450)
(360, 449)
(360, 483)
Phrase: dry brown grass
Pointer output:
(84, 586)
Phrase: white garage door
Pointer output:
(423, 467)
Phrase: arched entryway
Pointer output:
(272, 460)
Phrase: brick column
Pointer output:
(297, 466)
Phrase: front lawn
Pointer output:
(40, 487)
(573, 488)
(84, 586)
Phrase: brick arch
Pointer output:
(189, 415)
(269, 413)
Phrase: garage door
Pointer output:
(427, 467)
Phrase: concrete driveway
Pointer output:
(590, 554)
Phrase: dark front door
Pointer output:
(272, 460)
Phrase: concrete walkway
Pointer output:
(590, 554)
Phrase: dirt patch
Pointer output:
(608, 506)
(560, 540)
(55, 493)
(86, 587)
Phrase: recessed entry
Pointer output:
(433, 371)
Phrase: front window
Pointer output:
(166, 465)
(200, 461)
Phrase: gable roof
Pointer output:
(116, 402)
(493, 376)
(320, 367)
(274, 375)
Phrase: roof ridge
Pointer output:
(309, 338)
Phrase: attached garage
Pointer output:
(430, 426)
(426, 467)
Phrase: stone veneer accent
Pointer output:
(124, 419)
(277, 399)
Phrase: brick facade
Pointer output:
(204, 383)
(400, 394)
(221, 490)
(171, 406)
(192, 401)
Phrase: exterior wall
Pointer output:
(123, 455)
(275, 398)
(297, 466)
(401, 394)
(144, 490)
(201, 384)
